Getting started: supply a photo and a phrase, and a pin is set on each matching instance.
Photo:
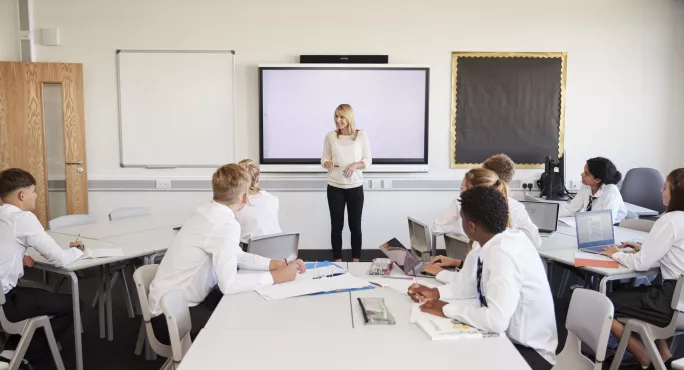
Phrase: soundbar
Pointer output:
(351, 59)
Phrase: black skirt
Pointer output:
(649, 303)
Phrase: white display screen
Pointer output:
(298, 106)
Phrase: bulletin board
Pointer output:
(511, 103)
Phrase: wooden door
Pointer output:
(22, 128)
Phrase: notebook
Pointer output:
(583, 259)
(442, 328)
(303, 287)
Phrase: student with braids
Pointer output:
(663, 247)
(511, 286)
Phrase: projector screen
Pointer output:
(297, 106)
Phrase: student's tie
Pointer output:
(483, 300)
(591, 201)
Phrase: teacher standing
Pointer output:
(346, 151)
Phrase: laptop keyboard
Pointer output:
(596, 250)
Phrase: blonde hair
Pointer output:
(347, 112)
(254, 173)
(229, 183)
(485, 177)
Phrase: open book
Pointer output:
(441, 328)
(102, 253)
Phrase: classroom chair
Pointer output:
(678, 365)
(591, 327)
(649, 333)
(177, 314)
(641, 225)
(143, 277)
(62, 222)
(128, 212)
(641, 186)
(276, 246)
(26, 329)
(421, 239)
(457, 246)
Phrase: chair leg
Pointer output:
(653, 352)
(142, 339)
(563, 283)
(127, 293)
(617, 359)
(24, 342)
(52, 343)
(168, 365)
(109, 314)
(97, 295)
(673, 344)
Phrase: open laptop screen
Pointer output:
(543, 214)
(594, 228)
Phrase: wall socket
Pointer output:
(376, 184)
(163, 184)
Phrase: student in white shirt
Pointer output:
(600, 191)
(512, 289)
(663, 247)
(260, 215)
(450, 222)
(20, 230)
(204, 258)
(346, 151)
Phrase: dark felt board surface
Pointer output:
(507, 105)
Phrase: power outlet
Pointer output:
(376, 184)
(163, 184)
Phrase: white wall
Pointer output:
(9, 30)
(624, 89)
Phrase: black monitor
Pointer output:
(554, 185)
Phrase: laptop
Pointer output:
(404, 258)
(544, 215)
(594, 231)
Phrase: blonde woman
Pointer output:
(346, 151)
(260, 214)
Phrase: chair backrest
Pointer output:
(6, 325)
(276, 246)
(70, 220)
(143, 277)
(177, 315)
(641, 186)
(420, 239)
(641, 225)
(456, 246)
(128, 212)
(589, 326)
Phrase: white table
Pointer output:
(343, 349)
(70, 272)
(562, 250)
(108, 229)
(158, 240)
(639, 211)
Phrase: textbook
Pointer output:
(442, 328)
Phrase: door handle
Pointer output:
(75, 162)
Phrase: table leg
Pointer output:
(78, 327)
(108, 301)
(101, 307)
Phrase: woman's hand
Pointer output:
(349, 171)
(610, 251)
(328, 166)
(443, 261)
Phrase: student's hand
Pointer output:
(421, 293)
(434, 307)
(328, 166)
(432, 269)
(78, 245)
(610, 251)
(301, 266)
(632, 245)
(284, 274)
(349, 171)
(445, 261)
(28, 261)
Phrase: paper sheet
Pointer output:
(310, 273)
(399, 285)
(302, 287)
(569, 221)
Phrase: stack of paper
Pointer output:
(301, 287)
(584, 259)
(440, 328)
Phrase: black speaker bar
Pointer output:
(351, 59)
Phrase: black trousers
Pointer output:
(199, 315)
(25, 303)
(353, 200)
(533, 358)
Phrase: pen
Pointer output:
(79, 235)
(285, 259)
(415, 284)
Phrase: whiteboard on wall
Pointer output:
(176, 107)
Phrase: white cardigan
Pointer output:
(343, 151)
